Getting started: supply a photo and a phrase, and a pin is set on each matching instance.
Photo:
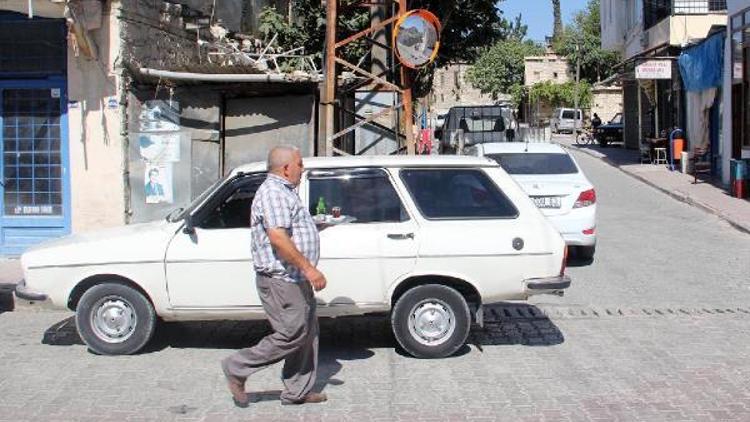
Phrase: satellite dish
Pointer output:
(416, 38)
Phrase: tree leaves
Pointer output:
(585, 31)
(561, 94)
(501, 67)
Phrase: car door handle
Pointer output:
(400, 236)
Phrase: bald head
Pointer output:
(281, 156)
(286, 161)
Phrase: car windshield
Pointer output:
(617, 119)
(177, 216)
(535, 163)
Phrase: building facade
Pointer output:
(549, 67)
(116, 112)
(651, 35)
(537, 69)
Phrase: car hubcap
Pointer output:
(431, 322)
(113, 319)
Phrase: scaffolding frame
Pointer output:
(332, 59)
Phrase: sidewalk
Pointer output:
(704, 195)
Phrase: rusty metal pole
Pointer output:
(330, 81)
(411, 147)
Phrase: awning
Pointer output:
(701, 66)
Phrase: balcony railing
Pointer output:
(654, 11)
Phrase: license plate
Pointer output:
(547, 201)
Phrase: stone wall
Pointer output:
(450, 88)
(154, 35)
(550, 67)
(606, 102)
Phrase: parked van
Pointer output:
(476, 124)
(563, 121)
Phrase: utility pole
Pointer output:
(330, 82)
(578, 79)
(406, 97)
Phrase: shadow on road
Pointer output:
(346, 338)
(7, 304)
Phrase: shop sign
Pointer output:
(654, 69)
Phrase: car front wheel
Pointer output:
(431, 321)
(114, 319)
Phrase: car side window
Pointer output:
(230, 209)
(457, 194)
(367, 195)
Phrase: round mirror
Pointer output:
(417, 38)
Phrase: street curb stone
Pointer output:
(687, 199)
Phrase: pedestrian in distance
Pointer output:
(510, 133)
(596, 121)
(285, 249)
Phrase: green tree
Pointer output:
(468, 26)
(585, 32)
(557, 30)
(564, 95)
(500, 69)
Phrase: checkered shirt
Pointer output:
(277, 205)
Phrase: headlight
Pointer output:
(619, 130)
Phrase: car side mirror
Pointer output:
(189, 228)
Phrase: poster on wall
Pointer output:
(159, 147)
(159, 116)
(158, 183)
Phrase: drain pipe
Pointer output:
(227, 77)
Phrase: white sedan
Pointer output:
(555, 182)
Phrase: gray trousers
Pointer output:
(291, 311)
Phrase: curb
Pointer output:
(687, 199)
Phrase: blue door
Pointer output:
(35, 184)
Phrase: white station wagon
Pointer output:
(429, 240)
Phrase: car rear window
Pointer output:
(457, 194)
(535, 163)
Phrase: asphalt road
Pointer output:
(654, 329)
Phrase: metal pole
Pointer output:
(411, 147)
(330, 82)
(578, 80)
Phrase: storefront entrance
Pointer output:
(34, 175)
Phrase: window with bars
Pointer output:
(654, 11)
(32, 166)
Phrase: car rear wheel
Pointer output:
(114, 319)
(431, 321)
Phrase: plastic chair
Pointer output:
(661, 156)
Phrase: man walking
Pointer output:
(285, 249)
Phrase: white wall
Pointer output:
(96, 155)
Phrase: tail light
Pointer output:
(585, 199)
(564, 261)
